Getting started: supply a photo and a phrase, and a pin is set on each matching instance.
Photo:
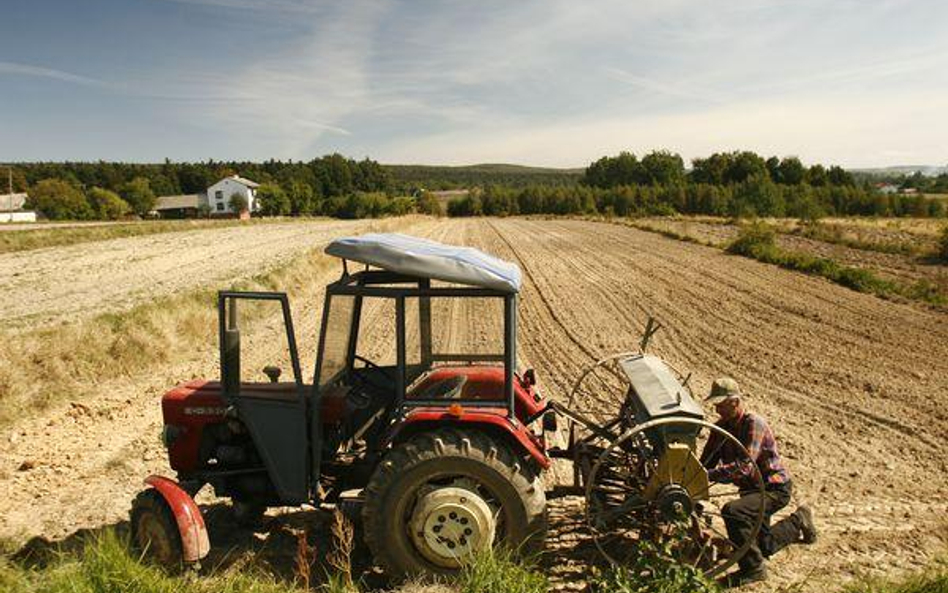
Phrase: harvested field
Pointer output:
(905, 268)
(854, 386)
(58, 284)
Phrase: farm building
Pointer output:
(183, 206)
(11, 209)
(215, 201)
(219, 194)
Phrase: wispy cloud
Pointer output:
(674, 89)
(292, 99)
(51, 73)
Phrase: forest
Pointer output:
(739, 183)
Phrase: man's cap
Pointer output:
(723, 388)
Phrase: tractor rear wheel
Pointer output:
(154, 530)
(440, 497)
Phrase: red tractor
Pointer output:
(445, 447)
(442, 444)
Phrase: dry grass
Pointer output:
(67, 362)
(58, 236)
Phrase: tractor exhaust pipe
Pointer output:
(230, 353)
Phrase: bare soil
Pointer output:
(903, 268)
(853, 385)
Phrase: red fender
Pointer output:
(491, 417)
(194, 541)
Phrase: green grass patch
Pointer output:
(932, 580)
(498, 571)
(758, 241)
(105, 565)
(654, 570)
(37, 238)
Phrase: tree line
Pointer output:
(332, 185)
(737, 184)
(740, 183)
(755, 197)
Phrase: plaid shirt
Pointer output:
(722, 457)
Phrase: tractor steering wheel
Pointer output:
(368, 363)
(365, 380)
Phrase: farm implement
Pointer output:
(441, 446)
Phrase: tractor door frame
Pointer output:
(276, 424)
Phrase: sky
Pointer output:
(860, 83)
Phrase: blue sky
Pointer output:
(542, 82)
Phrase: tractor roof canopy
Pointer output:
(413, 256)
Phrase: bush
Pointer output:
(237, 203)
(59, 200)
(755, 240)
(429, 204)
(139, 196)
(272, 200)
(107, 205)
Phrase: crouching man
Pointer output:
(723, 461)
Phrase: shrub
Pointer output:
(139, 195)
(59, 200)
(107, 205)
(272, 200)
(755, 240)
(429, 204)
(237, 202)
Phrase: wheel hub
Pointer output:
(449, 524)
(674, 503)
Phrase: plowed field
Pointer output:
(853, 385)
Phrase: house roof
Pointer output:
(245, 181)
(176, 202)
(10, 202)
(413, 256)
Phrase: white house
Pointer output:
(11, 209)
(219, 194)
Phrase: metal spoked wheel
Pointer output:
(648, 486)
(600, 388)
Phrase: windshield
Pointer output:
(337, 330)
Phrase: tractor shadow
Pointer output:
(275, 546)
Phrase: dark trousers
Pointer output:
(740, 516)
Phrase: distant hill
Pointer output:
(927, 170)
(435, 177)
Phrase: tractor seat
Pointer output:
(450, 388)
(272, 391)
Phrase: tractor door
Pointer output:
(274, 412)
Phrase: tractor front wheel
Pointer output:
(440, 497)
(155, 531)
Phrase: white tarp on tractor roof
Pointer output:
(428, 259)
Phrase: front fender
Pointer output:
(493, 420)
(194, 541)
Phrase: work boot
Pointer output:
(804, 519)
(744, 577)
